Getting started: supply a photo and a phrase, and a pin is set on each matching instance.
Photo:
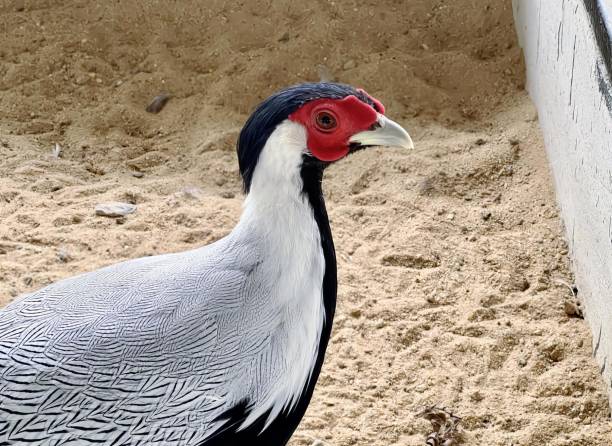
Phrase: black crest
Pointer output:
(274, 110)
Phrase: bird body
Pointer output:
(221, 345)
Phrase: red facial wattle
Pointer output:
(349, 115)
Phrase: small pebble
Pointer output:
(137, 174)
(115, 209)
(522, 284)
(572, 309)
(481, 142)
(349, 64)
(63, 255)
(158, 103)
(192, 192)
(476, 396)
(356, 313)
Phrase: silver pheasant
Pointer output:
(221, 345)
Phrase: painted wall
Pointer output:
(568, 55)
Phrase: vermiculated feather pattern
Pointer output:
(158, 350)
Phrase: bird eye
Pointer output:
(325, 121)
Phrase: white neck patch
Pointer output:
(278, 212)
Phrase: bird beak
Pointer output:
(387, 133)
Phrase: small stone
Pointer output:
(192, 192)
(356, 313)
(318, 443)
(138, 174)
(420, 388)
(482, 314)
(118, 83)
(555, 352)
(572, 309)
(158, 103)
(522, 362)
(227, 194)
(115, 209)
(514, 141)
(485, 215)
(284, 37)
(349, 64)
(63, 255)
(480, 142)
(519, 284)
(476, 396)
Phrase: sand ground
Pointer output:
(454, 276)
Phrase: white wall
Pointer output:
(568, 79)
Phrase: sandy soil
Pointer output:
(453, 272)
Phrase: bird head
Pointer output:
(320, 122)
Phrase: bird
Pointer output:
(218, 345)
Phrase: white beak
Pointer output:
(388, 133)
